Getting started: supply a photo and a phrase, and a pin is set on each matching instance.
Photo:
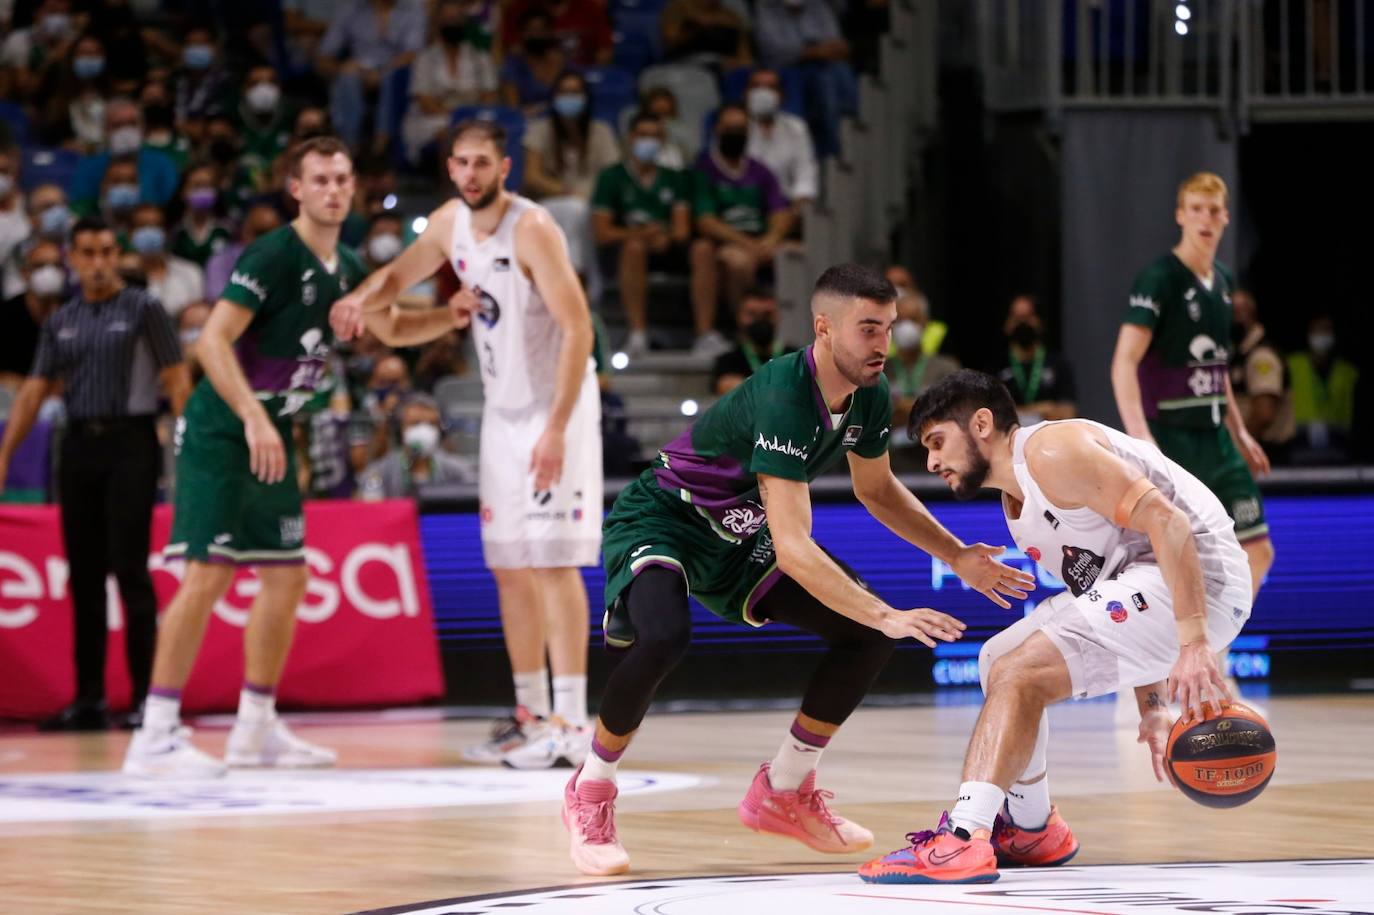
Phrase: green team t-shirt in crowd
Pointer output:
(1183, 374)
(284, 350)
(631, 202)
(775, 423)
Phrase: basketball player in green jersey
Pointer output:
(1169, 371)
(237, 502)
(725, 516)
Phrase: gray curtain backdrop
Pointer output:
(1121, 171)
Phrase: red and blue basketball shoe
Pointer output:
(947, 855)
(1050, 845)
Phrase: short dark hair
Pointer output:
(855, 281)
(957, 397)
(644, 117)
(731, 106)
(323, 145)
(488, 130)
(89, 224)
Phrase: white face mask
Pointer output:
(906, 333)
(421, 439)
(762, 102)
(6, 185)
(384, 248)
(48, 280)
(263, 97)
(125, 140)
(1321, 343)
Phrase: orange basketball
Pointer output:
(1224, 760)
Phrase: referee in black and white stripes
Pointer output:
(110, 348)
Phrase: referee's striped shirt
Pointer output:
(108, 354)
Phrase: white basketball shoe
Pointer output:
(270, 743)
(168, 753)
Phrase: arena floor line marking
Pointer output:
(989, 905)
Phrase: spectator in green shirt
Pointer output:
(641, 220)
(199, 235)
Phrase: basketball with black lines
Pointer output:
(1224, 760)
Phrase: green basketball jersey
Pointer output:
(1183, 374)
(775, 423)
(632, 203)
(290, 292)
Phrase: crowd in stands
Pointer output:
(679, 144)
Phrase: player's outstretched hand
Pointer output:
(266, 454)
(346, 316)
(990, 578)
(546, 463)
(924, 625)
(1254, 455)
(1154, 733)
(1196, 679)
(463, 305)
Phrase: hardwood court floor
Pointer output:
(894, 770)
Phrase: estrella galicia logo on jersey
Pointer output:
(1054, 522)
(1081, 568)
(781, 447)
(501, 265)
(1140, 602)
(1117, 611)
(851, 436)
(488, 309)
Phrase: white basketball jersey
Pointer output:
(516, 337)
(1079, 546)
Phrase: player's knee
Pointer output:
(204, 583)
(633, 250)
(1261, 554)
(665, 645)
(285, 584)
(702, 252)
(1019, 671)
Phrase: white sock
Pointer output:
(1029, 804)
(570, 699)
(794, 762)
(161, 713)
(256, 707)
(597, 767)
(977, 806)
(532, 691)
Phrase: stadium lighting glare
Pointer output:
(389, 202)
(420, 224)
(1182, 12)
(689, 407)
(1181, 27)
(620, 361)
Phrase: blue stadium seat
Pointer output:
(632, 50)
(513, 119)
(17, 122)
(613, 89)
(48, 166)
(618, 7)
(400, 92)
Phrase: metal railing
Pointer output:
(1276, 59)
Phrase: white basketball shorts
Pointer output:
(560, 528)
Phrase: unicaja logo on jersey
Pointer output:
(743, 521)
(780, 447)
(250, 283)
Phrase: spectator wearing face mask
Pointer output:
(387, 387)
(159, 125)
(780, 140)
(260, 220)
(417, 460)
(933, 331)
(173, 281)
(533, 63)
(449, 73)
(383, 240)
(680, 143)
(265, 121)
(759, 342)
(642, 221)
(806, 34)
(14, 221)
(741, 208)
(119, 196)
(1257, 376)
(49, 219)
(21, 317)
(28, 52)
(203, 87)
(155, 174)
(1040, 381)
(1323, 386)
(190, 324)
(367, 41)
(199, 234)
(581, 27)
(910, 369)
(564, 153)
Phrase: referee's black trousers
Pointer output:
(107, 481)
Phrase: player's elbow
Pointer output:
(790, 553)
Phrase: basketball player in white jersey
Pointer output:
(1157, 583)
(540, 478)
